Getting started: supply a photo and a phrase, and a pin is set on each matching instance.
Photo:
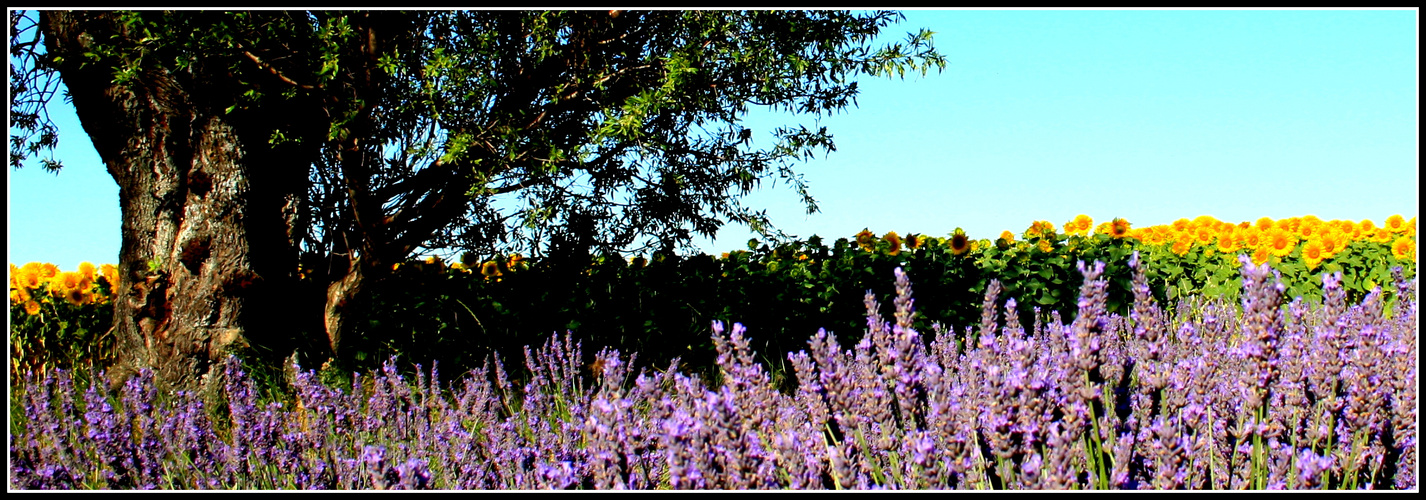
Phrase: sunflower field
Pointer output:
(60, 319)
(460, 312)
(1201, 354)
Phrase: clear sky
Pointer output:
(1150, 115)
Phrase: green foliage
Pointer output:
(31, 130)
(611, 130)
(62, 335)
(663, 307)
(562, 134)
(1050, 280)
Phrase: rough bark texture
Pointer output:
(208, 254)
(342, 303)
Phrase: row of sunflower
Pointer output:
(436, 308)
(492, 269)
(1268, 239)
(1188, 256)
(60, 319)
(1264, 240)
(35, 284)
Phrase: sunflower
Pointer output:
(30, 276)
(1153, 236)
(1261, 255)
(1228, 242)
(1367, 226)
(87, 271)
(1252, 237)
(469, 259)
(490, 269)
(23, 277)
(110, 274)
(1291, 224)
(1173, 236)
(1265, 223)
(1165, 232)
(1040, 229)
(517, 262)
(1382, 235)
(1395, 224)
(1281, 242)
(1008, 236)
(1079, 225)
(1044, 246)
(32, 308)
(1404, 249)
(1204, 236)
(866, 240)
(65, 282)
(638, 262)
(913, 241)
(1313, 253)
(959, 243)
(1309, 229)
(1356, 234)
(19, 295)
(1181, 246)
(77, 296)
(1350, 230)
(1240, 235)
(1181, 225)
(895, 241)
(1103, 228)
(1334, 241)
(48, 271)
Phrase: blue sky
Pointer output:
(1150, 115)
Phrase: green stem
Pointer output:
(1257, 474)
(1093, 445)
(1212, 456)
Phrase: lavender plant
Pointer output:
(1211, 395)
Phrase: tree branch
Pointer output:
(270, 69)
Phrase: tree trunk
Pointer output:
(343, 297)
(208, 257)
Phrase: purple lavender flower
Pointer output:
(1316, 396)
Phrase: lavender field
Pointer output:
(1267, 394)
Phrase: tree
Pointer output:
(246, 142)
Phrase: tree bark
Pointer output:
(343, 297)
(208, 255)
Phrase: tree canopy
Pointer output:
(245, 143)
(510, 129)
